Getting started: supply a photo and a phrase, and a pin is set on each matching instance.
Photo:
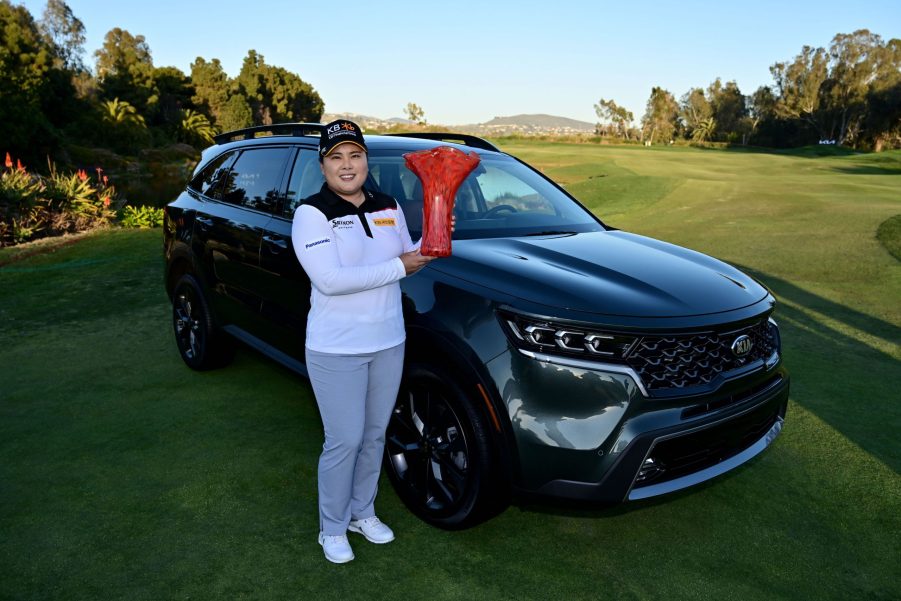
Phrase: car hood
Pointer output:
(608, 273)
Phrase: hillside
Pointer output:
(524, 124)
(540, 121)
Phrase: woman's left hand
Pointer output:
(414, 261)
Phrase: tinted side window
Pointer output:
(306, 179)
(208, 182)
(255, 178)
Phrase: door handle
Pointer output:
(205, 223)
(275, 244)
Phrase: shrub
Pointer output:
(21, 216)
(33, 206)
(141, 217)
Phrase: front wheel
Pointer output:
(201, 345)
(438, 454)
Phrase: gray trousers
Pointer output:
(355, 394)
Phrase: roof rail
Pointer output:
(465, 139)
(276, 129)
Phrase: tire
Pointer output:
(438, 454)
(202, 346)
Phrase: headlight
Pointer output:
(536, 334)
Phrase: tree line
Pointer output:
(848, 94)
(49, 98)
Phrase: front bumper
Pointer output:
(594, 436)
(714, 470)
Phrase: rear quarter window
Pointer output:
(209, 181)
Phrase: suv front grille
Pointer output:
(686, 361)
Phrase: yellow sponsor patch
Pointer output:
(385, 221)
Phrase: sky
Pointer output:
(468, 61)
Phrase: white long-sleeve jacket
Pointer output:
(351, 256)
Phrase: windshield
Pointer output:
(501, 198)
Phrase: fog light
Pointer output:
(650, 469)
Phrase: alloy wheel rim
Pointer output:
(428, 450)
(187, 326)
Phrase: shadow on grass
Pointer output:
(816, 151)
(849, 381)
(860, 321)
(869, 170)
(801, 152)
(889, 235)
(738, 149)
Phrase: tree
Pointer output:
(728, 109)
(125, 68)
(173, 93)
(195, 128)
(119, 112)
(124, 128)
(236, 114)
(883, 121)
(26, 65)
(65, 33)
(694, 109)
(837, 92)
(276, 95)
(608, 110)
(661, 116)
(882, 124)
(855, 60)
(703, 130)
(415, 113)
(211, 86)
(761, 109)
(798, 87)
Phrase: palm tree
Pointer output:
(120, 112)
(704, 130)
(196, 125)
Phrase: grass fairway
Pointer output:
(124, 475)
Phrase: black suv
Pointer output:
(551, 354)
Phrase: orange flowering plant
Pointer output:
(34, 206)
(21, 217)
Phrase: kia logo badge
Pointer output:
(742, 346)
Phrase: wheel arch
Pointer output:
(428, 346)
(179, 261)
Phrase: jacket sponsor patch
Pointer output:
(342, 224)
(384, 221)
(315, 243)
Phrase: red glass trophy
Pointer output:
(441, 171)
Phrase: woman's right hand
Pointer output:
(414, 261)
